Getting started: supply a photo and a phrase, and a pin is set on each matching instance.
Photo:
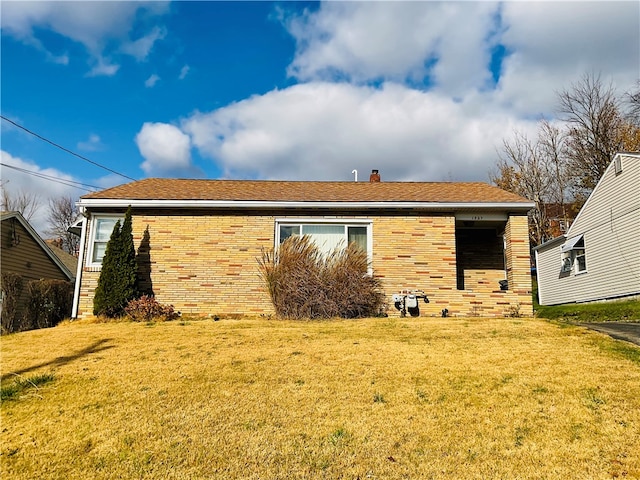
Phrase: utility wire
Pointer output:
(65, 149)
(63, 181)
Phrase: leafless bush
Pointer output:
(304, 283)
(147, 308)
(12, 284)
(49, 302)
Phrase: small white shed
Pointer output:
(599, 256)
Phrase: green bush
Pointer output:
(147, 308)
(304, 283)
(117, 284)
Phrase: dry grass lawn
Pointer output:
(369, 399)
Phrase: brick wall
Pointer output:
(518, 260)
(201, 264)
(420, 253)
(205, 264)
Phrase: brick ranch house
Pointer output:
(198, 240)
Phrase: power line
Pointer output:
(62, 181)
(65, 149)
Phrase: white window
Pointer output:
(563, 225)
(573, 256)
(617, 163)
(580, 260)
(101, 230)
(327, 234)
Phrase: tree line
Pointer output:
(559, 167)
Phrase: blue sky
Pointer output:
(422, 91)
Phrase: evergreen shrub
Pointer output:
(117, 284)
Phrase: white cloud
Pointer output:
(165, 149)
(549, 45)
(183, 72)
(45, 185)
(555, 43)
(323, 131)
(371, 40)
(151, 81)
(448, 127)
(59, 59)
(15, 180)
(96, 25)
(102, 67)
(92, 144)
(140, 48)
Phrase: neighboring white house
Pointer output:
(599, 256)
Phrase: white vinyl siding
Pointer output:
(608, 266)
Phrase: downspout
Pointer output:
(76, 288)
(539, 299)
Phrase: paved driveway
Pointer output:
(621, 331)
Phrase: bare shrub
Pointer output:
(12, 284)
(147, 308)
(304, 283)
(48, 303)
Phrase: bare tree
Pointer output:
(63, 213)
(553, 147)
(561, 166)
(595, 125)
(27, 203)
(632, 101)
(525, 169)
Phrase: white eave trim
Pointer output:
(441, 206)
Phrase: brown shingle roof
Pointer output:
(289, 191)
(69, 260)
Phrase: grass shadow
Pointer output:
(95, 347)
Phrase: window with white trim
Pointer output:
(581, 260)
(573, 256)
(101, 230)
(327, 234)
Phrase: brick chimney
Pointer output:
(374, 177)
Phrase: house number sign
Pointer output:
(479, 217)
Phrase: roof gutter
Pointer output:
(440, 206)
